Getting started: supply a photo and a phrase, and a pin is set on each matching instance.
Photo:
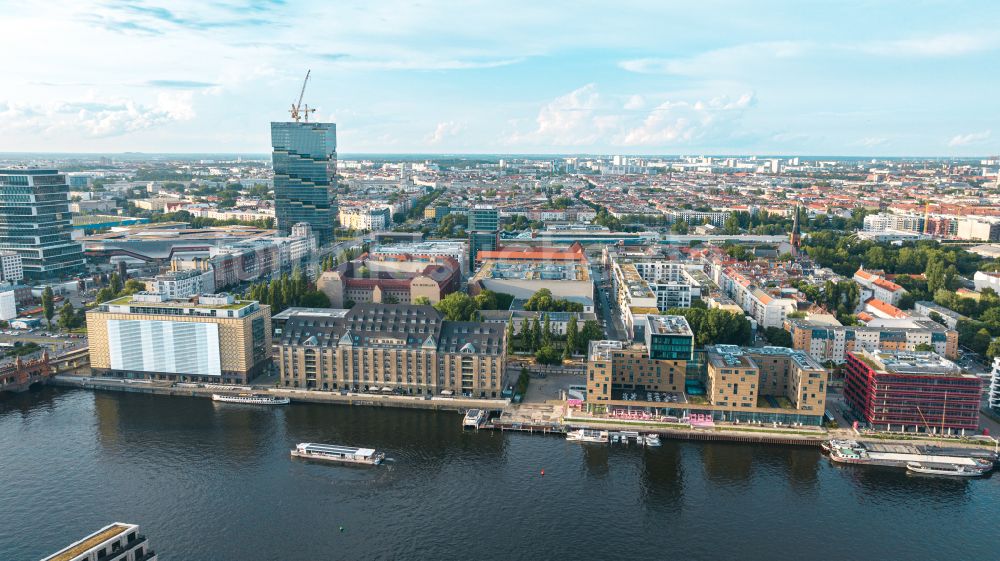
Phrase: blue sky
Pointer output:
(706, 77)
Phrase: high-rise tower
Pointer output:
(36, 223)
(305, 176)
(484, 231)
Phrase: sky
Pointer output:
(801, 77)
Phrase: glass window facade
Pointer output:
(172, 347)
(35, 221)
(305, 176)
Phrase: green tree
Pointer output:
(923, 347)
(132, 286)
(422, 301)
(732, 225)
(510, 335)
(536, 334)
(48, 306)
(315, 299)
(993, 350)
(571, 337)
(457, 306)
(592, 331)
(67, 316)
(778, 337)
(548, 355)
(546, 331)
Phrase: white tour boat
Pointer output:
(474, 418)
(336, 453)
(944, 469)
(588, 436)
(652, 439)
(250, 398)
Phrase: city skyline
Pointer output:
(846, 79)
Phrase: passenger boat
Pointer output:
(474, 418)
(652, 440)
(588, 436)
(337, 453)
(250, 398)
(944, 469)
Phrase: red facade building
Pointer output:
(911, 392)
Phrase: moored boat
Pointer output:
(250, 398)
(588, 436)
(337, 453)
(474, 418)
(951, 470)
(652, 440)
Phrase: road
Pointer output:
(56, 345)
(613, 326)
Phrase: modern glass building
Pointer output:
(35, 222)
(305, 176)
(484, 231)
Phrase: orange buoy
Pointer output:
(543, 472)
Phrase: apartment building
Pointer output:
(765, 378)
(457, 250)
(826, 339)
(398, 348)
(874, 284)
(649, 284)
(182, 283)
(766, 309)
(209, 338)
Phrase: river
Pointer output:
(210, 481)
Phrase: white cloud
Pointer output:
(970, 138)
(946, 45)
(94, 118)
(445, 130)
(711, 62)
(680, 122)
(634, 102)
(574, 119)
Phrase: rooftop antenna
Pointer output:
(299, 111)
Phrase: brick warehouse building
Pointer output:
(911, 392)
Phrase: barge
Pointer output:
(903, 455)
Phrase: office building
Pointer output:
(392, 348)
(617, 371)
(484, 231)
(35, 223)
(826, 339)
(912, 392)
(305, 176)
(209, 338)
(522, 273)
(114, 542)
(747, 381)
(391, 281)
(457, 250)
(649, 284)
(11, 270)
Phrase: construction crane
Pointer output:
(298, 110)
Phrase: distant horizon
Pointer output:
(494, 155)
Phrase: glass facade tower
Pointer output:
(484, 231)
(36, 223)
(305, 176)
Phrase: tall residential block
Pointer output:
(35, 222)
(210, 338)
(305, 176)
(484, 231)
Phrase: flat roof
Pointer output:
(80, 547)
(668, 325)
(914, 363)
